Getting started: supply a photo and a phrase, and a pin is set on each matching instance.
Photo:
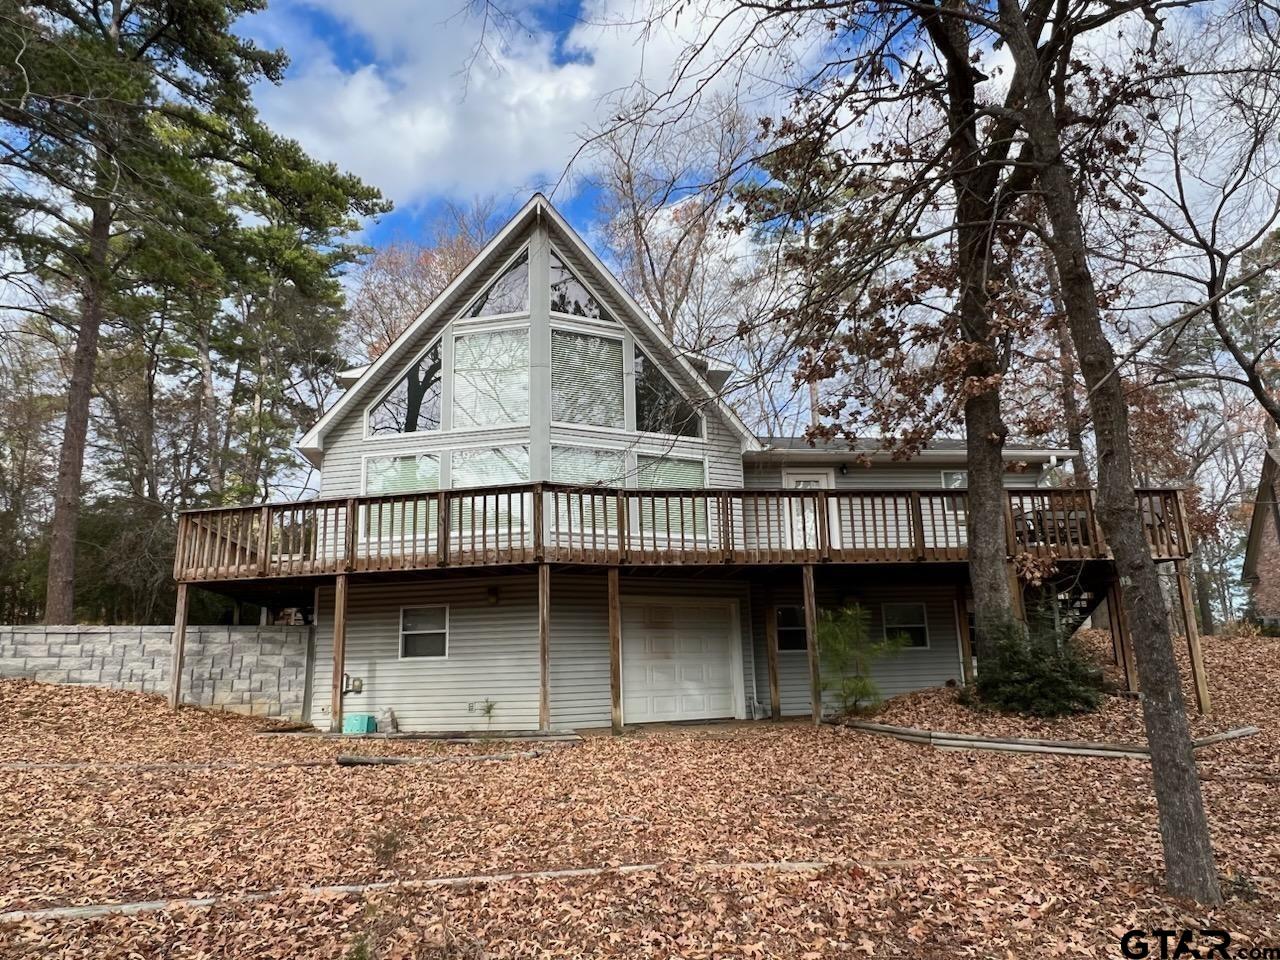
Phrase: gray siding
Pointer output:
(914, 669)
(493, 650)
(493, 653)
(877, 476)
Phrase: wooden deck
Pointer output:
(549, 523)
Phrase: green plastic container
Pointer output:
(359, 723)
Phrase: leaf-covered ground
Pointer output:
(996, 855)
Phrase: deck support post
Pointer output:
(179, 645)
(771, 654)
(1193, 637)
(615, 649)
(811, 634)
(544, 647)
(962, 631)
(339, 650)
(1120, 635)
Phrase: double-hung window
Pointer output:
(424, 632)
(907, 620)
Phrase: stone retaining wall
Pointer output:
(258, 670)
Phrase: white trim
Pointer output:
(620, 336)
(497, 320)
(366, 435)
(735, 644)
(924, 606)
(507, 264)
(666, 456)
(527, 327)
(423, 606)
(823, 473)
(942, 478)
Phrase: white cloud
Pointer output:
(412, 124)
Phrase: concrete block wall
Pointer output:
(256, 670)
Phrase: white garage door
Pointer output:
(677, 660)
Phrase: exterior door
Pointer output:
(679, 660)
(803, 513)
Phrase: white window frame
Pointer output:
(440, 455)
(404, 372)
(946, 486)
(603, 335)
(666, 455)
(924, 610)
(464, 315)
(468, 331)
(555, 314)
(424, 606)
(697, 411)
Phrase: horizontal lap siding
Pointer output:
(912, 669)
(887, 476)
(493, 652)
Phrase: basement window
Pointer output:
(907, 620)
(791, 632)
(424, 632)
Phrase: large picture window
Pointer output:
(407, 474)
(413, 404)
(508, 294)
(490, 467)
(676, 516)
(491, 378)
(569, 295)
(584, 466)
(586, 379)
(660, 406)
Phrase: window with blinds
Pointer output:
(586, 379)
(508, 294)
(403, 519)
(499, 519)
(676, 517)
(569, 295)
(491, 378)
(660, 406)
(583, 466)
(413, 404)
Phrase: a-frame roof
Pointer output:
(311, 445)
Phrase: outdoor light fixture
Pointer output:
(491, 595)
(844, 469)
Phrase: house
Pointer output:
(536, 513)
(1261, 569)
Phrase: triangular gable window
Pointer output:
(413, 404)
(508, 294)
(660, 406)
(569, 296)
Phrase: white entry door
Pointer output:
(681, 660)
(803, 514)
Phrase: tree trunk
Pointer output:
(60, 594)
(1204, 596)
(985, 433)
(209, 408)
(1184, 828)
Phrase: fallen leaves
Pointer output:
(993, 855)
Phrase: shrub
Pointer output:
(1035, 672)
(847, 651)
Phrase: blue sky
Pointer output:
(388, 89)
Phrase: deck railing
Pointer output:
(554, 523)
